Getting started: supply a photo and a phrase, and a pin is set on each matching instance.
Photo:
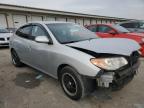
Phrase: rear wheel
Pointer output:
(15, 59)
(74, 85)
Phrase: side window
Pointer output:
(38, 31)
(24, 31)
(126, 25)
(130, 25)
(92, 28)
(104, 29)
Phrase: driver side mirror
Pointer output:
(42, 39)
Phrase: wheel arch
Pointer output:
(88, 83)
(60, 67)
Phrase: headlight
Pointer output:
(109, 63)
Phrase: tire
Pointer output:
(15, 59)
(74, 85)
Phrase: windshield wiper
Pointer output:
(69, 42)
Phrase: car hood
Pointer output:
(5, 35)
(108, 45)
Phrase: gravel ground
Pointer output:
(19, 88)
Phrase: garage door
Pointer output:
(3, 21)
(79, 21)
(108, 21)
(86, 21)
(93, 21)
(103, 21)
(19, 20)
(50, 18)
(61, 19)
(112, 22)
(36, 18)
(98, 21)
(71, 20)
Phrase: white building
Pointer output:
(12, 16)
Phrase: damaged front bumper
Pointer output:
(117, 79)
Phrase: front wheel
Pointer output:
(74, 85)
(15, 59)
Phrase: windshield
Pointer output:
(3, 30)
(68, 32)
(120, 29)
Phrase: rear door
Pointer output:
(103, 31)
(21, 43)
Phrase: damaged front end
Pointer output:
(120, 77)
(118, 60)
(115, 79)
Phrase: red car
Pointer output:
(116, 31)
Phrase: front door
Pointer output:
(41, 53)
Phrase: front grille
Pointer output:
(2, 39)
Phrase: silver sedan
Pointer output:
(75, 56)
(4, 37)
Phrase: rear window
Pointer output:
(24, 30)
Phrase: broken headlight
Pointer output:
(109, 63)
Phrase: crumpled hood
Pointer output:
(108, 45)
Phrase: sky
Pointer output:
(133, 9)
